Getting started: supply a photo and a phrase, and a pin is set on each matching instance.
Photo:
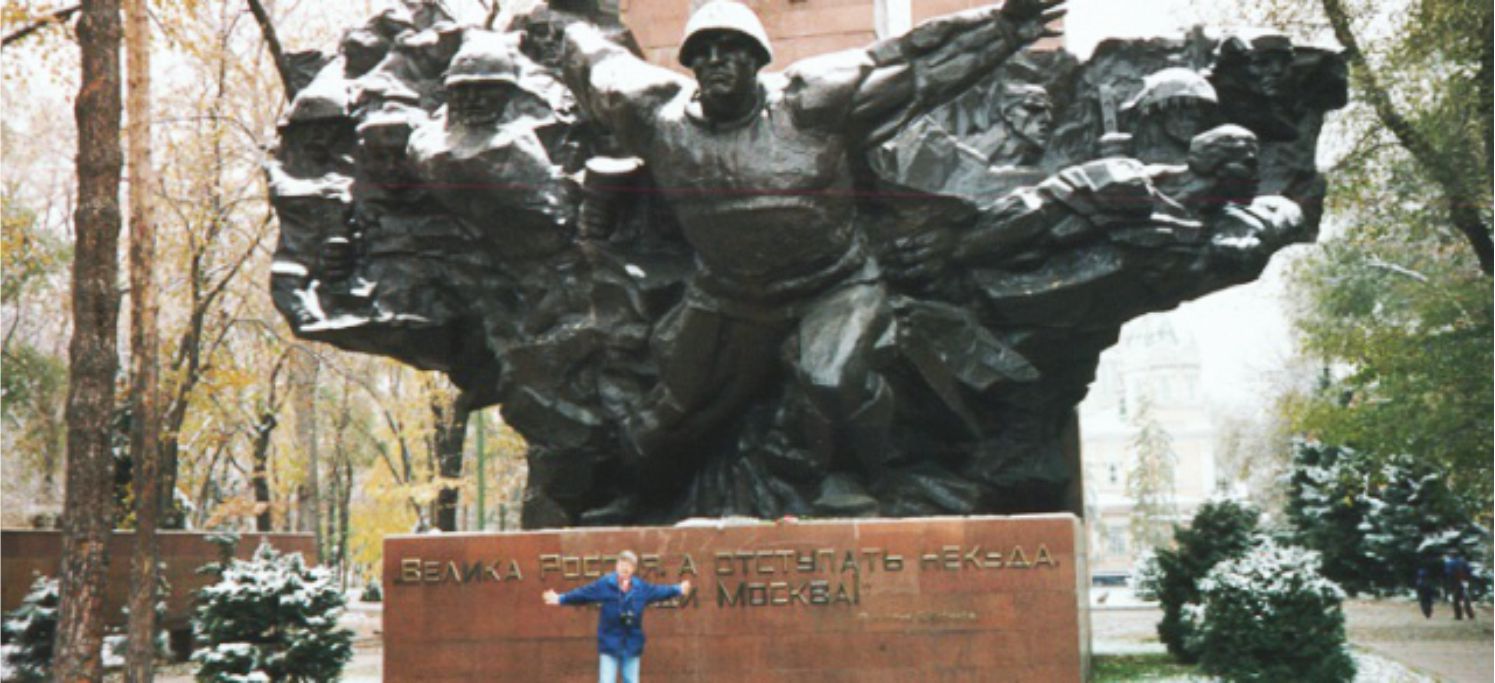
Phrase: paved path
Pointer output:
(1439, 648)
(1454, 651)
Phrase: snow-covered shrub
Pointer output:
(27, 632)
(1221, 529)
(372, 592)
(270, 619)
(1269, 615)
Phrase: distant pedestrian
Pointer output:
(620, 625)
(1427, 590)
(1456, 583)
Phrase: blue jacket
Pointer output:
(613, 636)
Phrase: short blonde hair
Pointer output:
(629, 557)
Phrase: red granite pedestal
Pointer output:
(933, 599)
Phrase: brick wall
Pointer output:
(24, 553)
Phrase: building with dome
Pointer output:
(1153, 373)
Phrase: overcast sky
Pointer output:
(1090, 21)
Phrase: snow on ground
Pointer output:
(1117, 597)
(1373, 668)
(7, 672)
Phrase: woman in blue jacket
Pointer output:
(620, 626)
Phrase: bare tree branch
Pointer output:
(277, 53)
(56, 17)
(492, 15)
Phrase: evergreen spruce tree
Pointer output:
(1326, 506)
(270, 619)
(29, 631)
(1376, 519)
(1412, 519)
(1221, 530)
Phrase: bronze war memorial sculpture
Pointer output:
(875, 283)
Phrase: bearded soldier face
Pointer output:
(1230, 159)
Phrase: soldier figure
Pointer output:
(1026, 115)
(759, 173)
(310, 178)
(486, 158)
(1174, 105)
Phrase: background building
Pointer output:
(1156, 363)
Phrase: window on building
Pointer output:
(1115, 540)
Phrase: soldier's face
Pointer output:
(1233, 163)
(1269, 70)
(725, 65)
(1032, 119)
(383, 162)
(314, 141)
(477, 104)
(1183, 120)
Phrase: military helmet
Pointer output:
(1266, 40)
(1237, 46)
(1170, 84)
(724, 15)
(390, 126)
(323, 100)
(1025, 93)
(483, 58)
(382, 86)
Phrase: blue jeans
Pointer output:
(609, 667)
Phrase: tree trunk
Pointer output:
(188, 364)
(261, 477)
(337, 528)
(451, 410)
(304, 367)
(334, 497)
(144, 343)
(88, 509)
(339, 495)
(343, 505)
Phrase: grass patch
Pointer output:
(1140, 667)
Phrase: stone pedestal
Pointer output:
(932, 599)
